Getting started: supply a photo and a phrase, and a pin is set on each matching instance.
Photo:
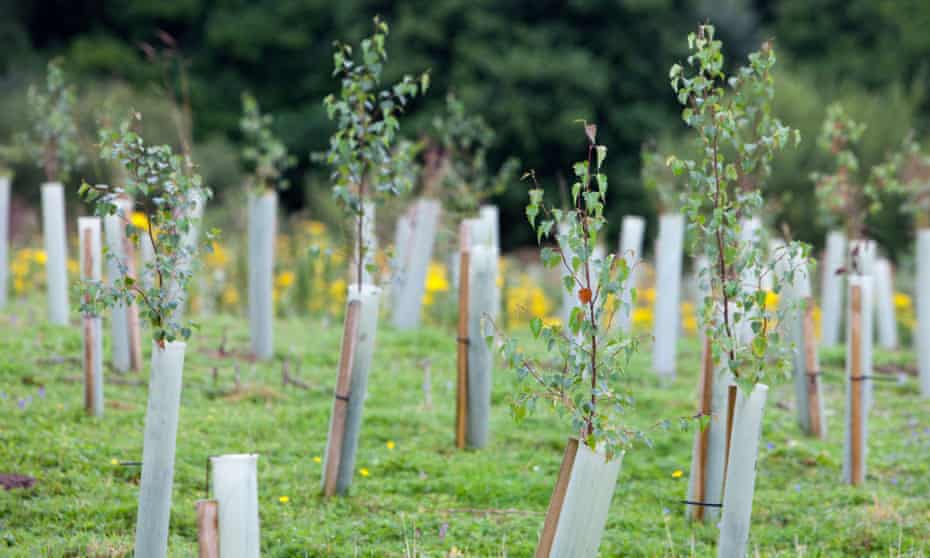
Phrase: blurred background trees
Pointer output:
(530, 69)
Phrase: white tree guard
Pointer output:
(92, 338)
(922, 302)
(631, 250)
(368, 296)
(424, 218)
(402, 240)
(831, 289)
(482, 276)
(370, 249)
(668, 293)
(716, 449)
(884, 305)
(4, 240)
(56, 251)
(865, 283)
(741, 472)
(490, 215)
(263, 210)
(235, 488)
(115, 230)
(586, 505)
(158, 449)
(146, 258)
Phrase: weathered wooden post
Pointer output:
(235, 487)
(56, 251)
(858, 371)
(884, 305)
(668, 293)
(262, 216)
(92, 334)
(831, 288)
(424, 219)
(208, 537)
(631, 250)
(462, 341)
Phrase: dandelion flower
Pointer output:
(364, 472)
(676, 474)
(114, 461)
(317, 459)
(283, 499)
(390, 444)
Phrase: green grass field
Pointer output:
(422, 497)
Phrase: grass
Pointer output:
(423, 498)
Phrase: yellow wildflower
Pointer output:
(114, 461)
(317, 459)
(284, 279)
(139, 220)
(677, 474)
(902, 301)
(390, 444)
(230, 296)
(649, 295)
(436, 278)
(364, 472)
(73, 266)
(642, 316)
(314, 228)
(40, 256)
(283, 499)
(219, 257)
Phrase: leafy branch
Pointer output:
(162, 186)
(363, 149)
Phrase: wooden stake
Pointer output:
(342, 394)
(208, 538)
(461, 399)
(731, 407)
(707, 395)
(547, 536)
(88, 325)
(855, 379)
(813, 370)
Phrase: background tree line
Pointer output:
(531, 69)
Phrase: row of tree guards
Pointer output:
(364, 154)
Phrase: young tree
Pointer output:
(458, 163)
(361, 149)
(263, 153)
(716, 200)
(53, 141)
(586, 383)
(165, 188)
